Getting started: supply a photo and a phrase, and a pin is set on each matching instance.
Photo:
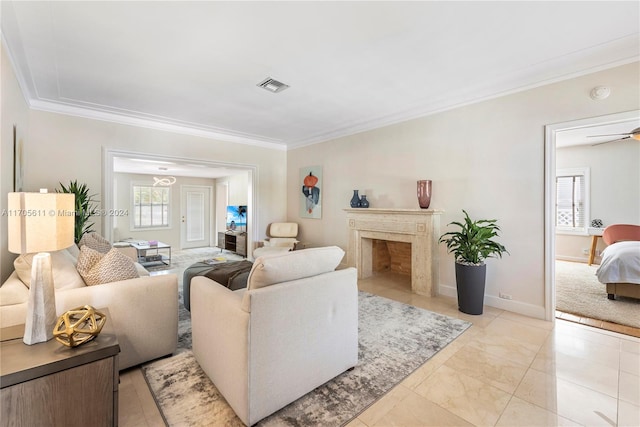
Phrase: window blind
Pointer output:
(570, 202)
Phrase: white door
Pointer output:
(195, 216)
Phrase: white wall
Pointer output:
(61, 148)
(238, 185)
(615, 189)
(171, 235)
(487, 158)
(14, 111)
(237, 188)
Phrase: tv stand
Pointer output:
(233, 241)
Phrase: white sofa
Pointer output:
(143, 311)
(294, 328)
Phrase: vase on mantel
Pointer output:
(364, 203)
(424, 193)
(355, 200)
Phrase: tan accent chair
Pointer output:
(282, 238)
(294, 328)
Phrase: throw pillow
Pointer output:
(286, 266)
(95, 242)
(65, 275)
(74, 251)
(97, 268)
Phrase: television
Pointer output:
(237, 218)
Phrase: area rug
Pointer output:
(180, 259)
(394, 340)
(579, 292)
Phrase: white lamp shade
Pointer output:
(40, 222)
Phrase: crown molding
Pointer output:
(522, 80)
(434, 107)
(157, 124)
(442, 105)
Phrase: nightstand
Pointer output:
(595, 233)
(49, 384)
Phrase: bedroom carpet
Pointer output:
(394, 340)
(579, 292)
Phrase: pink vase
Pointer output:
(424, 193)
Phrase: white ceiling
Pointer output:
(151, 166)
(192, 67)
(589, 135)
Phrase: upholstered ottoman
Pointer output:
(232, 274)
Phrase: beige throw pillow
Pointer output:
(286, 266)
(96, 268)
(95, 242)
(65, 275)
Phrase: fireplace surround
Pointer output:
(419, 227)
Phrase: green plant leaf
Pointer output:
(85, 206)
(472, 243)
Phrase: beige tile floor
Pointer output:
(506, 370)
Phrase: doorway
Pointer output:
(574, 246)
(212, 169)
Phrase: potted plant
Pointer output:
(471, 245)
(85, 206)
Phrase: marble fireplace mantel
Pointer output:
(419, 227)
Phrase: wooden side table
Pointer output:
(595, 233)
(49, 384)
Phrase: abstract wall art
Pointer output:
(311, 192)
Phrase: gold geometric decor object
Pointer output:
(79, 325)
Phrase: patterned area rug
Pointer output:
(579, 292)
(394, 340)
(181, 259)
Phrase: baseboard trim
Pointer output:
(517, 307)
(583, 260)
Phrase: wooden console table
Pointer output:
(234, 242)
(49, 384)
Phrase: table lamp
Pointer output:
(40, 222)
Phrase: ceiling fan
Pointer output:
(634, 134)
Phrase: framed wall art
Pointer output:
(311, 192)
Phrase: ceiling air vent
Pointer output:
(272, 85)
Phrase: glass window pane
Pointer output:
(145, 216)
(150, 206)
(136, 216)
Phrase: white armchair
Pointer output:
(294, 328)
(282, 238)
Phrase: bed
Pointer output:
(620, 266)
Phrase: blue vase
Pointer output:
(355, 200)
(364, 203)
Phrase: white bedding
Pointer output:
(620, 263)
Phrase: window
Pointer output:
(150, 206)
(572, 200)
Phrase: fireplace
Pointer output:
(419, 228)
(391, 256)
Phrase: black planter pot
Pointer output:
(470, 280)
